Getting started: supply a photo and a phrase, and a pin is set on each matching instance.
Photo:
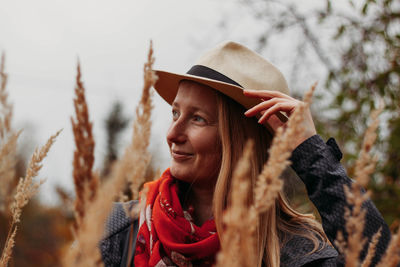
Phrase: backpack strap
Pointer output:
(130, 245)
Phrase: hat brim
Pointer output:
(167, 87)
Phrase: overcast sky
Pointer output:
(43, 39)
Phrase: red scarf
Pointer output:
(167, 234)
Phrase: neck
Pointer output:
(201, 199)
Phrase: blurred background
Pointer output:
(352, 48)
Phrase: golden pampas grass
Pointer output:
(133, 163)
(268, 183)
(26, 189)
(86, 183)
(365, 164)
(355, 217)
(238, 243)
(371, 249)
(392, 254)
(7, 111)
(7, 251)
(141, 131)
(8, 143)
(85, 251)
(8, 153)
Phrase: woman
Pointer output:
(213, 114)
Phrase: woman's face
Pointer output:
(193, 136)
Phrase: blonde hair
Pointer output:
(281, 221)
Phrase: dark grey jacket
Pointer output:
(317, 164)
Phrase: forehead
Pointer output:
(196, 95)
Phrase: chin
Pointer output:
(180, 173)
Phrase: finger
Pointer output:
(282, 106)
(265, 94)
(262, 106)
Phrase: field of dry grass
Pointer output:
(93, 194)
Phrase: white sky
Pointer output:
(43, 39)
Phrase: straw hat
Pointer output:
(229, 68)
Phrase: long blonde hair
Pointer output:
(281, 221)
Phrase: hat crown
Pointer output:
(245, 67)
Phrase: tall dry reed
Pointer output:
(8, 151)
(268, 183)
(85, 251)
(355, 217)
(238, 242)
(8, 143)
(86, 183)
(136, 158)
(27, 187)
(392, 254)
(371, 249)
(7, 109)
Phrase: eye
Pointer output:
(199, 119)
(175, 114)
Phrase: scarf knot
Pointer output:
(167, 234)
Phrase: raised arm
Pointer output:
(318, 165)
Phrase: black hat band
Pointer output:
(206, 72)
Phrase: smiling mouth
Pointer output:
(179, 155)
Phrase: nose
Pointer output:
(176, 132)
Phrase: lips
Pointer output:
(180, 155)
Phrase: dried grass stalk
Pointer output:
(7, 252)
(8, 143)
(365, 164)
(6, 109)
(392, 255)
(371, 249)
(85, 251)
(8, 161)
(238, 243)
(268, 183)
(355, 217)
(86, 184)
(136, 158)
(26, 189)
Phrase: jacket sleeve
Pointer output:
(318, 166)
(115, 242)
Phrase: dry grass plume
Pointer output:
(238, 240)
(86, 184)
(26, 189)
(268, 183)
(355, 217)
(136, 158)
(371, 249)
(8, 143)
(6, 109)
(85, 251)
(392, 254)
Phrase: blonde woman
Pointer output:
(213, 113)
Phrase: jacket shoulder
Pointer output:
(296, 252)
(118, 219)
(115, 239)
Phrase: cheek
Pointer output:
(207, 143)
